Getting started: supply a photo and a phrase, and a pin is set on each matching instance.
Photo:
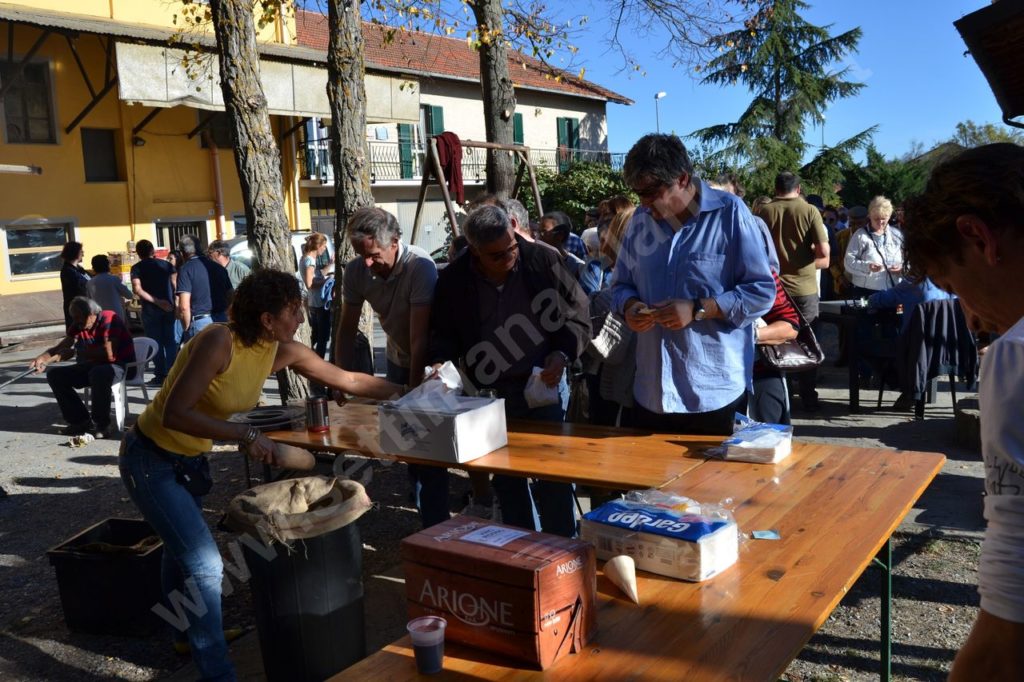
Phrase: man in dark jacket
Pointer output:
(501, 309)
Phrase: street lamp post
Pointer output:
(657, 116)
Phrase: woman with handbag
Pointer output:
(769, 402)
(220, 372)
(874, 258)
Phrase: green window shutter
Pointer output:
(435, 120)
(517, 128)
(405, 150)
(568, 141)
(573, 130)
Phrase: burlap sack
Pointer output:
(297, 508)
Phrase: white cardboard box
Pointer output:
(451, 430)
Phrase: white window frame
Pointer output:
(180, 219)
(71, 224)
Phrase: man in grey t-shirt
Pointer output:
(398, 282)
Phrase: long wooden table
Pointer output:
(835, 509)
(588, 455)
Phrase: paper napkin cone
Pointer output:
(621, 570)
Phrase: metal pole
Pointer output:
(657, 116)
(884, 561)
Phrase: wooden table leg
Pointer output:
(884, 562)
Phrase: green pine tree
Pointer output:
(787, 64)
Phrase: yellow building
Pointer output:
(106, 109)
(101, 101)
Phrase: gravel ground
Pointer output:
(54, 491)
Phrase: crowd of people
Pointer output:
(178, 296)
(654, 314)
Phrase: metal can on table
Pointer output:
(317, 417)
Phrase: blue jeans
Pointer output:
(542, 505)
(429, 483)
(320, 333)
(159, 326)
(192, 568)
(195, 327)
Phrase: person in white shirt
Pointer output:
(966, 232)
(874, 258)
(106, 289)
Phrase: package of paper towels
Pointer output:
(679, 543)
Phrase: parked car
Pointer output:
(240, 249)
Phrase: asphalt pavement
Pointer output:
(39, 466)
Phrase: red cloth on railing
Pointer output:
(449, 153)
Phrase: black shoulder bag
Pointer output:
(796, 355)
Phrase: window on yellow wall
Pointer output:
(27, 107)
(219, 127)
(100, 155)
(34, 248)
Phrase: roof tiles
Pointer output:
(421, 53)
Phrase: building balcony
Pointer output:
(396, 162)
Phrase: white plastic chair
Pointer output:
(145, 351)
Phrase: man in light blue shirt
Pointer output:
(691, 277)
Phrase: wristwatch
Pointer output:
(698, 310)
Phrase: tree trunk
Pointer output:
(498, 94)
(346, 91)
(257, 155)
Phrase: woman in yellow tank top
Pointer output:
(220, 372)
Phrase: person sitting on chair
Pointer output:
(102, 347)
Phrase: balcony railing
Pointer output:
(393, 161)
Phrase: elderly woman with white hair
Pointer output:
(874, 258)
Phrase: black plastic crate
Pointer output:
(106, 586)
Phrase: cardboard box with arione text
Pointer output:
(529, 596)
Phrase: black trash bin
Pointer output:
(109, 578)
(309, 605)
(306, 573)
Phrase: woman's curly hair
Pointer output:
(986, 181)
(263, 291)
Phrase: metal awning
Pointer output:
(70, 22)
(152, 72)
(158, 77)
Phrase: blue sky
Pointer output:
(911, 58)
(919, 83)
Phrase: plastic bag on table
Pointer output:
(678, 505)
(448, 381)
(755, 442)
